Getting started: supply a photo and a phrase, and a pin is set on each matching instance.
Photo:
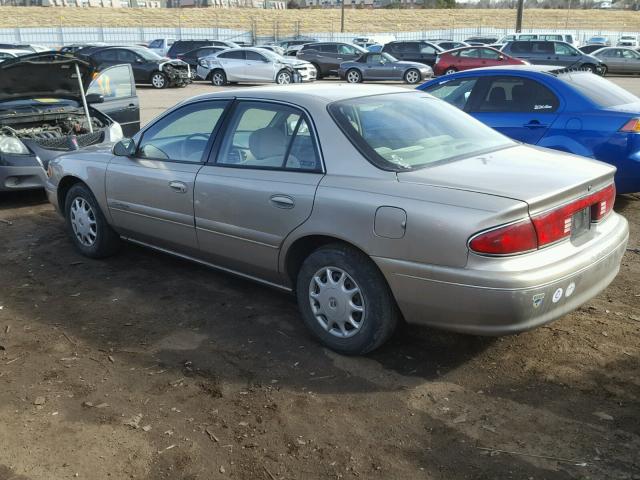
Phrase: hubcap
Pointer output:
(449, 72)
(412, 77)
(284, 79)
(158, 81)
(336, 302)
(83, 222)
(353, 77)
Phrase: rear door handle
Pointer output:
(178, 186)
(533, 124)
(132, 106)
(282, 201)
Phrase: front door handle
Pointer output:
(179, 187)
(282, 201)
(132, 106)
(533, 124)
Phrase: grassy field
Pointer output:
(267, 22)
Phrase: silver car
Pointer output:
(254, 65)
(619, 59)
(370, 203)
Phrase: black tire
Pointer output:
(412, 76)
(218, 78)
(319, 74)
(354, 73)
(604, 71)
(450, 71)
(380, 311)
(107, 241)
(159, 80)
(282, 76)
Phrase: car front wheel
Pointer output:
(345, 301)
(354, 76)
(283, 77)
(412, 76)
(89, 230)
(159, 80)
(450, 71)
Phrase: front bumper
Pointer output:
(21, 178)
(499, 296)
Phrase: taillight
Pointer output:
(515, 238)
(632, 126)
(543, 229)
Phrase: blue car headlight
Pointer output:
(12, 145)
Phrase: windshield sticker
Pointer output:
(557, 295)
(538, 299)
(542, 107)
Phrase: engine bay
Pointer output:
(56, 132)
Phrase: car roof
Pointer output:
(303, 93)
(523, 68)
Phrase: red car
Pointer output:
(465, 58)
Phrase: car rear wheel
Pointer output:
(89, 230)
(159, 80)
(283, 77)
(345, 301)
(412, 76)
(450, 71)
(353, 76)
(218, 78)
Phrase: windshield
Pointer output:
(147, 54)
(600, 91)
(389, 58)
(408, 131)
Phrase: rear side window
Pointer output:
(542, 47)
(514, 94)
(156, 44)
(471, 53)
(408, 47)
(564, 49)
(233, 55)
(328, 48)
(107, 56)
(255, 56)
(455, 92)
(600, 91)
(126, 56)
(521, 47)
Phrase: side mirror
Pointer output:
(125, 148)
(501, 57)
(95, 98)
(139, 60)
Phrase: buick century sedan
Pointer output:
(371, 204)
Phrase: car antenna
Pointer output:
(84, 99)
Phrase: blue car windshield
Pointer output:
(408, 131)
(600, 91)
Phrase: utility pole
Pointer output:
(519, 16)
(342, 16)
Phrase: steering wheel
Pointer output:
(184, 154)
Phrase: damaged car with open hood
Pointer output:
(51, 104)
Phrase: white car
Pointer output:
(5, 54)
(254, 65)
(629, 41)
(161, 45)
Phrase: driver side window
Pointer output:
(182, 135)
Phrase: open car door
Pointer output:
(116, 87)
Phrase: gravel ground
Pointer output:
(145, 366)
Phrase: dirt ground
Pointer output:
(144, 366)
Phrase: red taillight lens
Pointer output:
(515, 238)
(632, 126)
(543, 229)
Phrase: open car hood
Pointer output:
(43, 75)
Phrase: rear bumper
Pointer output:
(21, 178)
(512, 295)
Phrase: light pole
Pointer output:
(341, 16)
(519, 16)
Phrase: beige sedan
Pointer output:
(370, 203)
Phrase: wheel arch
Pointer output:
(303, 246)
(64, 186)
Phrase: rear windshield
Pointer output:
(600, 91)
(408, 131)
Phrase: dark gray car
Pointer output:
(327, 56)
(382, 66)
(543, 52)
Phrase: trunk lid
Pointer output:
(540, 177)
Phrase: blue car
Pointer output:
(571, 111)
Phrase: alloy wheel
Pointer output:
(337, 302)
(412, 76)
(83, 222)
(353, 76)
(158, 80)
(284, 78)
(218, 79)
